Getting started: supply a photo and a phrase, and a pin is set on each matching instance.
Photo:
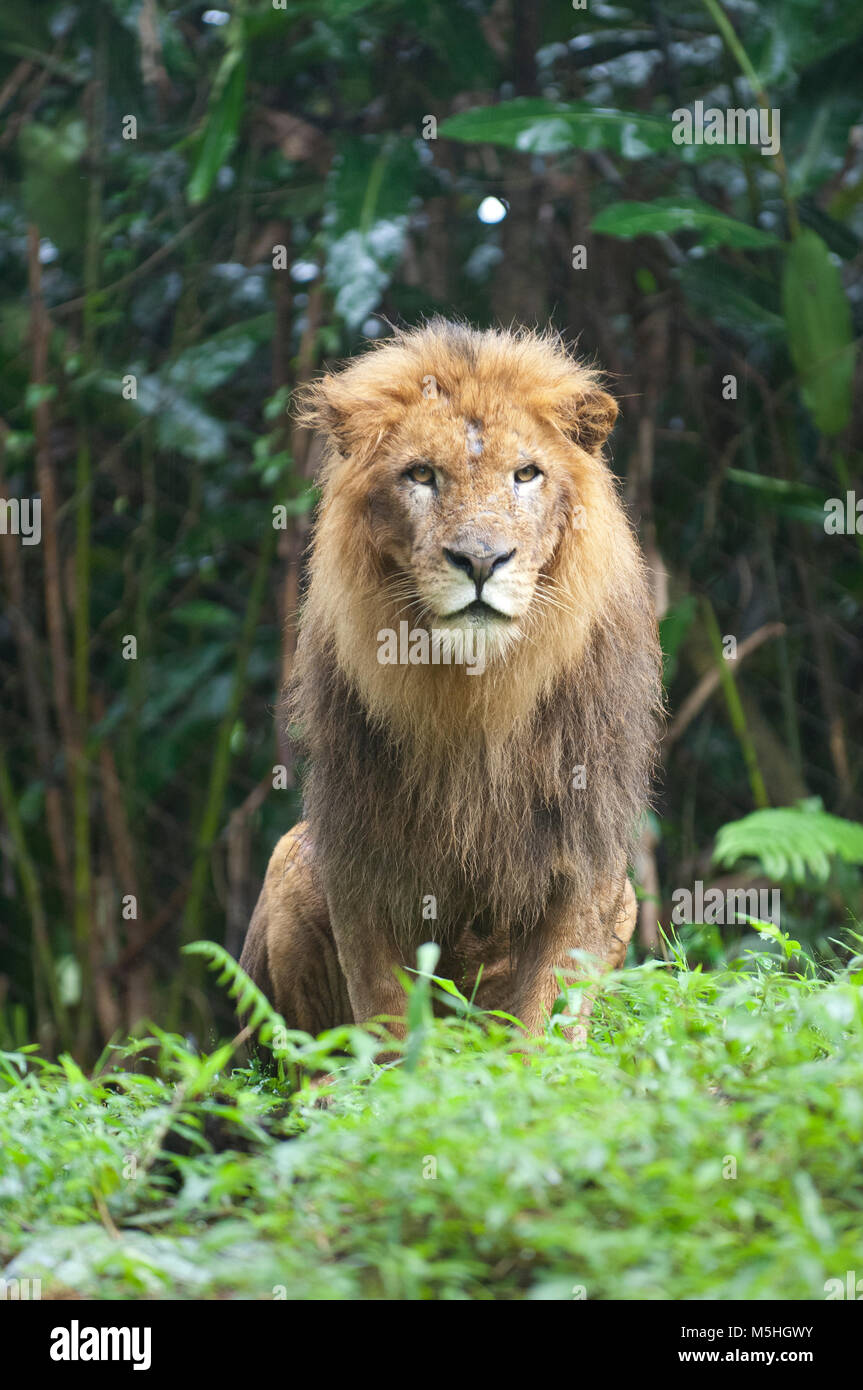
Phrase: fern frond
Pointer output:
(263, 1019)
(794, 843)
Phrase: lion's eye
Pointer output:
(420, 473)
(527, 473)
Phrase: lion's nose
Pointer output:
(479, 567)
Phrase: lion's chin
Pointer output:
(498, 632)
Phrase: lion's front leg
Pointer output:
(369, 958)
(289, 949)
(604, 932)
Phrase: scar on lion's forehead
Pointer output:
(473, 434)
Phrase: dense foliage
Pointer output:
(200, 208)
(704, 1144)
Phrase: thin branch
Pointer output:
(710, 681)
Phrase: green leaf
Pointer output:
(801, 33)
(733, 297)
(176, 683)
(368, 199)
(372, 180)
(820, 336)
(842, 240)
(53, 193)
(670, 215)
(209, 364)
(359, 268)
(262, 1018)
(797, 501)
(790, 842)
(38, 394)
(202, 612)
(181, 423)
(419, 1008)
(538, 126)
(192, 431)
(220, 133)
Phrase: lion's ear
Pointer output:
(321, 405)
(350, 419)
(588, 419)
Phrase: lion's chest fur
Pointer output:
(463, 835)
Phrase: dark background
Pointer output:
(302, 128)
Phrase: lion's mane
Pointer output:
(421, 780)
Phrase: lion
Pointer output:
(490, 806)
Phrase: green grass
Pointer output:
(468, 1171)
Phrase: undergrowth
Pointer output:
(703, 1143)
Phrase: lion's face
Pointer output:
(481, 505)
(467, 514)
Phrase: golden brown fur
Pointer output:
(442, 804)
